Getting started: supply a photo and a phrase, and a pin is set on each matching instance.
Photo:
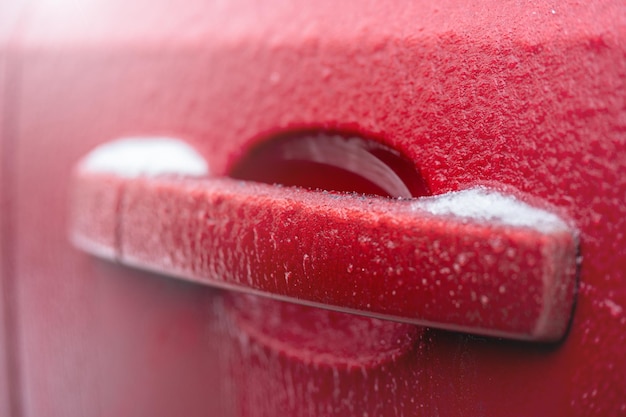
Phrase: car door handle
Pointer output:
(476, 261)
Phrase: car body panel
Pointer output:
(525, 96)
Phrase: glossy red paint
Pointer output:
(529, 95)
(332, 162)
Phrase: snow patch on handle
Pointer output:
(145, 156)
(486, 205)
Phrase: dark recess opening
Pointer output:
(333, 162)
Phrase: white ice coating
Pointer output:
(147, 156)
(487, 205)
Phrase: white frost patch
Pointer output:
(615, 309)
(486, 205)
(132, 157)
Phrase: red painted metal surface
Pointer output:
(10, 14)
(378, 256)
(4, 372)
(341, 364)
(527, 95)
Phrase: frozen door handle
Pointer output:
(475, 261)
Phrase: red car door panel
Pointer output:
(523, 98)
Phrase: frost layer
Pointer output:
(485, 205)
(132, 157)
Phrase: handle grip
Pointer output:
(475, 261)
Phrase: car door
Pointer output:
(522, 100)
